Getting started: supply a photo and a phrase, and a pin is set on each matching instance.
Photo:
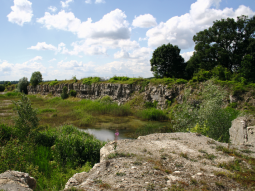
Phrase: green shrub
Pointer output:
(75, 79)
(90, 80)
(152, 114)
(73, 93)
(64, 94)
(45, 139)
(150, 104)
(202, 75)
(2, 88)
(118, 78)
(36, 78)
(75, 148)
(6, 132)
(53, 83)
(221, 73)
(22, 85)
(238, 90)
(26, 122)
(181, 81)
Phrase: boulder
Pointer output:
(17, 181)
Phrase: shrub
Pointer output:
(75, 148)
(73, 93)
(53, 83)
(181, 81)
(22, 85)
(6, 132)
(202, 75)
(45, 139)
(238, 90)
(64, 94)
(152, 114)
(2, 88)
(36, 78)
(27, 121)
(90, 80)
(74, 79)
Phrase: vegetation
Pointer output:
(52, 155)
(2, 88)
(167, 62)
(36, 78)
(22, 85)
(64, 94)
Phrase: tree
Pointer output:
(64, 94)
(26, 122)
(36, 78)
(167, 62)
(225, 43)
(22, 85)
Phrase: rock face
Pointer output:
(159, 162)
(16, 181)
(120, 93)
(241, 133)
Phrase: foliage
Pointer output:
(64, 94)
(248, 68)
(27, 121)
(73, 93)
(152, 114)
(208, 118)
(167, 62)
(75, 148)
(201, 76)
(2, 88)
(36, 78)
(53, 83)
(90, 80)
(75, 79)
(118, 78)
(6, 132)
(225, 43)
(22, 85)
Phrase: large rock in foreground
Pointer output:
(16, 181)
(160, 162)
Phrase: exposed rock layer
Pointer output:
(16, 181)
(120, 93)
(159, 162)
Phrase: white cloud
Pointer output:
(43, 46)
(66, 3)
(187, 55)
(52, 60)
(112, 26)
(179, 30)
(36, 58)
(78, 67)
(52, 8)
(21, 12)
(144, 21)
(62, 20)
(99, 1)
(88, 1)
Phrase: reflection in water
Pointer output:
(105, 134)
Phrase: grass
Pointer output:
(117, 155)
(152, 114)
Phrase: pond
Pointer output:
(106, 126)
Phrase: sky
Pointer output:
(103, 38)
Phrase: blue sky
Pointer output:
(102, 38)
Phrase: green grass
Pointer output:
(90, 80)
(51, 157)
(152, 114)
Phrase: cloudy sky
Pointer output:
(102, 38)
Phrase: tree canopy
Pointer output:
(167, 62)
(225, 43)
(36, 78)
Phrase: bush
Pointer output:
(238, 90)
(52, 83)
(45, 139)
(75, 148)
(2, 88)
(90, 80)
(75, 79)
(202, 75)
(36, 78)
(27, 121)
(22, 85)
(64, 94)
(152, 114)
(73, 93)
(6, 132)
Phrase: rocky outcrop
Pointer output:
(160, 162)
(241, 133)
(16, 181)
(120, 93)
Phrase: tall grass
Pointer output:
(152, 114)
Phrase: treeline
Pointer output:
(226, 49)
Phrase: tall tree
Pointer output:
(225, 43)
(36, 78)
(167, 62)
